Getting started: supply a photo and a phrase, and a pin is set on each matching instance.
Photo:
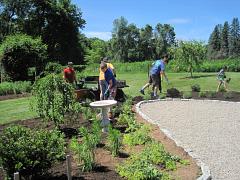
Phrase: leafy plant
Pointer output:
(139, 168)
(30, 152)
(88, 113)
(53, 98)
(84, 150)
(196, 88)
(187, 95)
(139, 136)
(114, 140)
(211, 94)
(203, 94)
(156, 154)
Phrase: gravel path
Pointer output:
(211, 129)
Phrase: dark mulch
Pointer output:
(220, 96)
(14, 96)
(105, 163)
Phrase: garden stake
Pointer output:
(16, 176)
(69, 169)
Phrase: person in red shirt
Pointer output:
(69, 74)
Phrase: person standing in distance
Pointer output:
(69, 74)
(156, 75)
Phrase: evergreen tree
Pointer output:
(214, 43)
(234, 39)
(224, 40)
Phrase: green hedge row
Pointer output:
(18, 87)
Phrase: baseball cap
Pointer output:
(70, 63)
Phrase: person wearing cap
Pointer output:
(110, 80)
(102, 82)
(156, 73)
(69, 74)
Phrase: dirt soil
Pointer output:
(13, 96)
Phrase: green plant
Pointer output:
(53, 98)
(211, 94)
(156, 154)
(222, 89)
(84, 150)
(19, 52)
(187, 95)
(196, 88)
(53, 67)
(114, 140)
(139, 168)
(30, 152)
(139, 136)
(203, 94)
(88, 113)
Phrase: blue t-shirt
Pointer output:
(109, 76)
(157, 67)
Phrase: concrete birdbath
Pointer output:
(104, 106)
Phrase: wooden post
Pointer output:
(69, 168)
(16, 176)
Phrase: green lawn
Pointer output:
(181, 81)
(15, 109)
(18, 109)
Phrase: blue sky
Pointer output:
(191, 19)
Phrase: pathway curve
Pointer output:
(211, 129)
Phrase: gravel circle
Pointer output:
(211, 129)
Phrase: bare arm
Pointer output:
(162, 73)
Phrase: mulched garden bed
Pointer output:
(105, 163)
(14, 96)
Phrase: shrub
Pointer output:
(187, 95)
(203, 94)
(53, 98)
(19, 52)
(196, 88)
(139, 136)
(211, 94)
(30, 152)
(173, 93)
(114, 141)
(18, 87)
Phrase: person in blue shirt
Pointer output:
(111, 81)
(156, 73)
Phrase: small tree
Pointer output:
(53, 99)
(189, 54)
(19, 52)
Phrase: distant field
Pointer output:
(18, 109)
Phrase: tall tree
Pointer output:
(146, 42)
(132, 42)
(164, 38)
(214, 43)
(224, 40)
(57, 21)
(234, 39)
(119, 34)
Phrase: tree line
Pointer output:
(224, 41)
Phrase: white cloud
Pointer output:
(101, 35)
(178, 21)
